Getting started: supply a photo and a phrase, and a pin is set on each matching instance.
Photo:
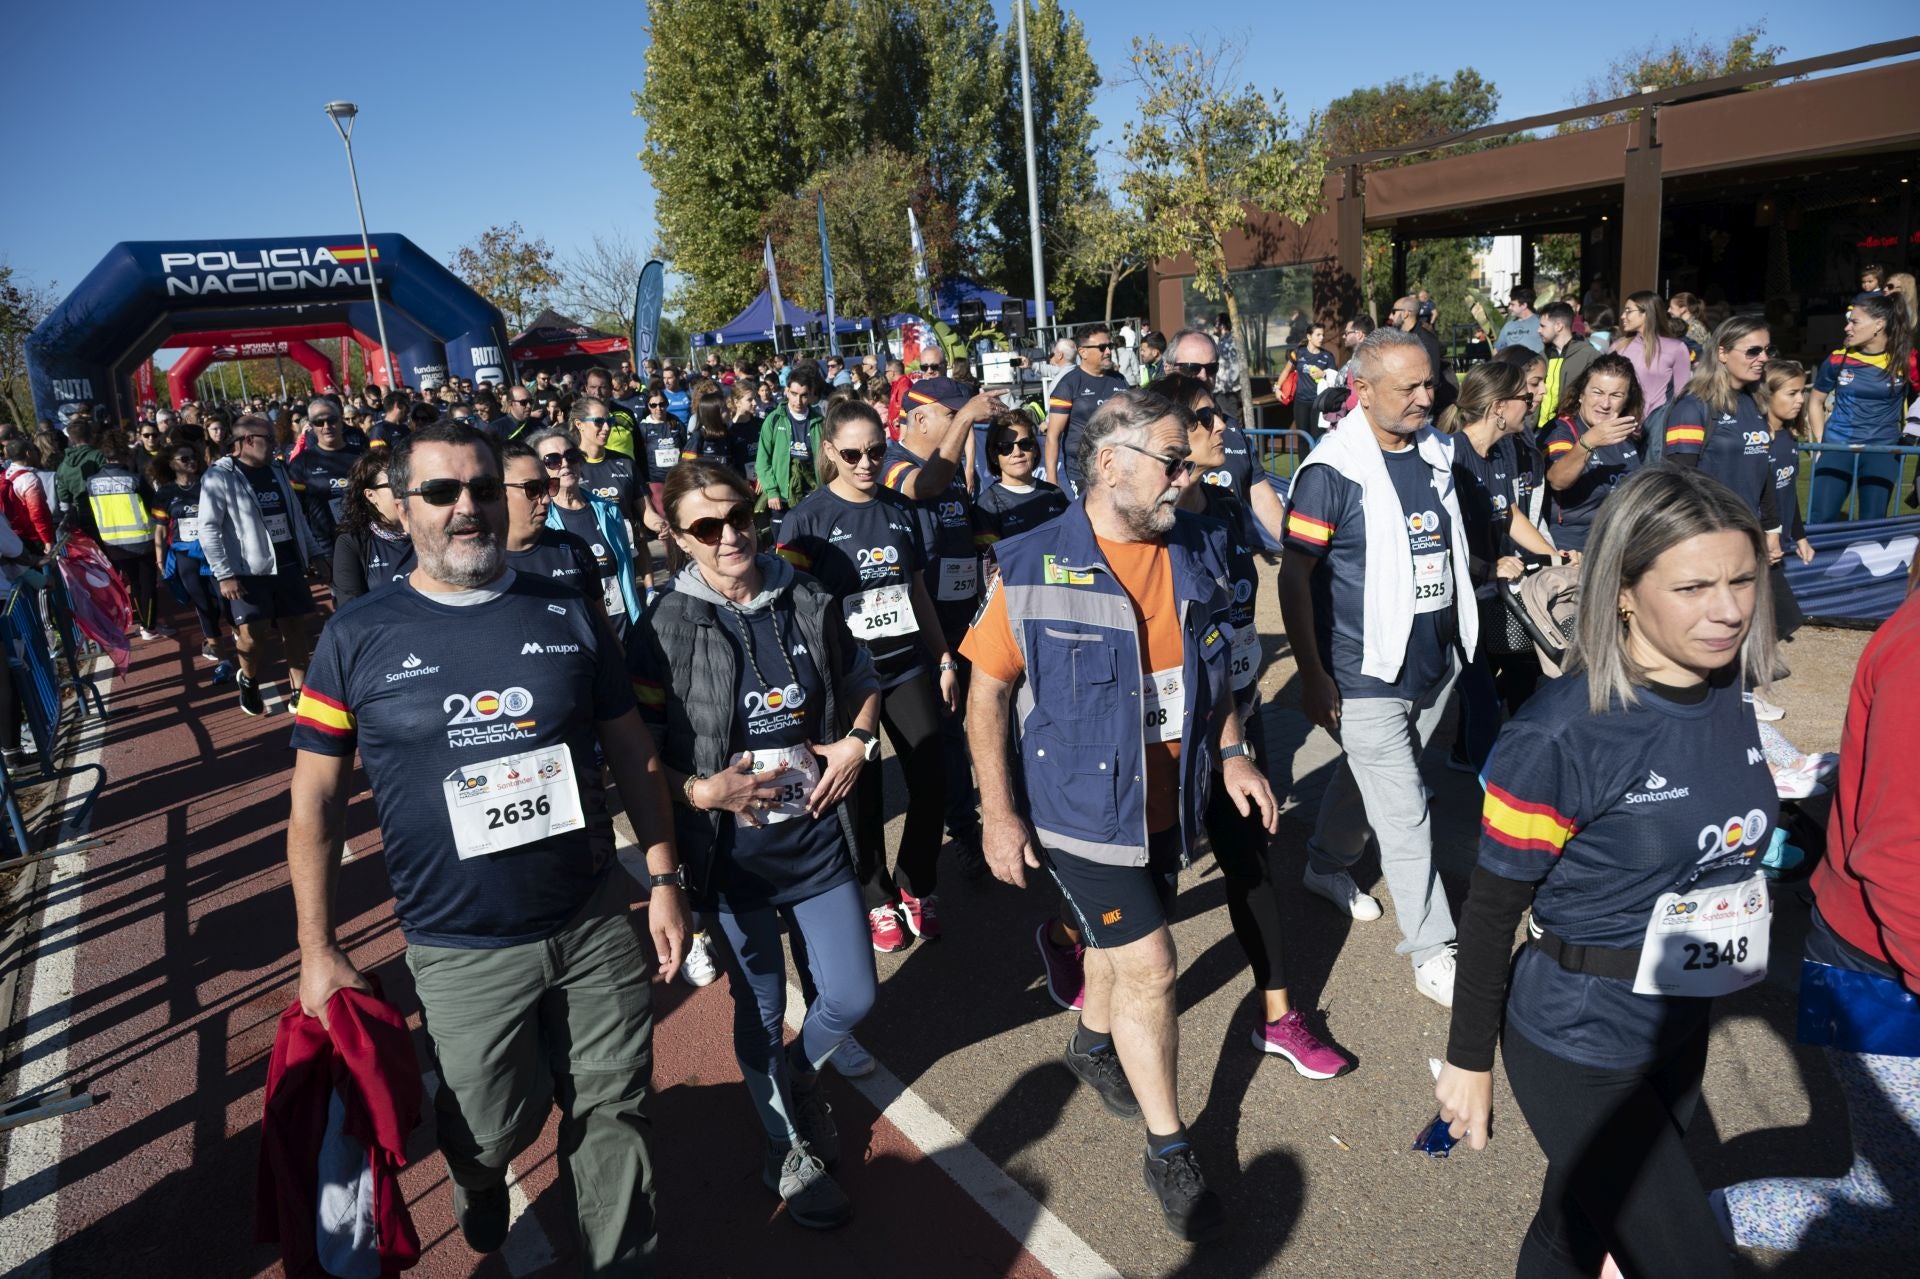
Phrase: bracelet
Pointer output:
(949, 665)
(686, 791)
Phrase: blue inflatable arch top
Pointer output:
(142, 291)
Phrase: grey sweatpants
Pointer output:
(1378, 790)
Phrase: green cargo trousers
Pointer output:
(565, 1021)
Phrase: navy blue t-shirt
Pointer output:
(1001, 512)
(1575, 508)
(580, 522)
(180, 505)
(1078, 394)
(428, 692)
(1325, 520)
(1734, 448)
(777, 706)
(1236, 473)
(1245, 656)
(851, 547)
(614, 478)
(1485, 489)
(1865, 405)
(1605, 813)
(734, 449)
(1783, 452)
(560, 557)
(273, 509)
(660, 444)
(320, 482)
(947, 531)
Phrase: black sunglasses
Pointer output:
(874, 453)
(1175, 465)
(551, 460)
(656, 404)
(597, 421)
(708, 531)
(1191, 369)
(325, 419)
(1096, 346)
(1751, 351)
(536, 489)
(519, 399)
(1206, 415)
(445, 492)
(1026, 444)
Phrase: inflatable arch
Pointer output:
(143, 293)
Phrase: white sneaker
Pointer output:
(1340, 889)
(1765, 711)
(1434, 979)
(851, 1060)
(698, 967)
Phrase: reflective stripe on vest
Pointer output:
(121, 519)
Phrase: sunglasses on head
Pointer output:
(551, 460)
(874, 453)
(708, 531)
(1193, 369)
(1175, 465)
(1026, 444)
(536, 489)
(445, 492)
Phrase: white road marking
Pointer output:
(30, 1186)
(1051, 1241)
(527, 1247)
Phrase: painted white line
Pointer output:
(30, 1186)
(1051, 1241)
(527, 1247)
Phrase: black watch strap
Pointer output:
(677, 878)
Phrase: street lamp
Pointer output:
(1033, 173)
(342, 114)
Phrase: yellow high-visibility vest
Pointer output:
(119, 516)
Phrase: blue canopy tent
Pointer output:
(755, 324)
(952, 292)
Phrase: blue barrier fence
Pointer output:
(1855, 454)
(37, 629)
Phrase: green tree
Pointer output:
(1655, 66)
(1101, 242)
(1405, 111)
(743, 102)
(513, 272)
(867, 200)
(23, 304)
(1064, 82)
(1206, 160)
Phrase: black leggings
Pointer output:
(1242, 848)
(1618, 1177)
(910, 713)
(141, 574)
(204, 593)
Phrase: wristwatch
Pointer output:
(677, 878)
(868, 741)
(1236, 750)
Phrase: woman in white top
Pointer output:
(1660, 363)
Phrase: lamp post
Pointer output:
(342, 114)
(1033, 173)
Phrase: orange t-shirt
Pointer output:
(1145, 572)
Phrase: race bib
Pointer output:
(1243, 657)
(513, 800)
(610, 596)
(802, 775)
(1432, 583)
(1710, 941)
(186, 531)
(1165, 696)
(959, 579)
(881, 612)
(279, 527)
(666, 456)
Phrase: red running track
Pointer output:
(184, 960)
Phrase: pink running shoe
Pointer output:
(888, 936)
(1066, 974)
(1290, 1038)
(922, 915)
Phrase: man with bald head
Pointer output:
(1405, 316)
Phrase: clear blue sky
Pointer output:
(138, 121)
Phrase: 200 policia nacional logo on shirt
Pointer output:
(488, 717)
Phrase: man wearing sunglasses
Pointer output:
(1074, 400)
(924, 467)
(1113, 624)
(520, 409)
(259, 548)
(1374, 592)
(319, 471)
(598, 385)
(469, 692)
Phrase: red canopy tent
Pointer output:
(561, 345)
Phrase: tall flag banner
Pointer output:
(648, 295)
(826, 276)
(773, 287)
(922, 284)
(143, 393)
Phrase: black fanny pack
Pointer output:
(1594, 961)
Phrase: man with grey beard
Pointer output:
(475, 698)
(1110, 620)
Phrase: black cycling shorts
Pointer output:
(268, 599)
(1114, 905)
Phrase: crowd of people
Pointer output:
(703, 597)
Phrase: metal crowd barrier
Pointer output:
(38, 685)
(1902, 481)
